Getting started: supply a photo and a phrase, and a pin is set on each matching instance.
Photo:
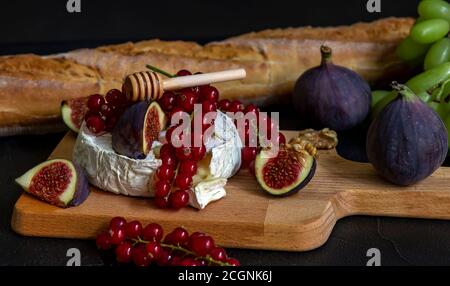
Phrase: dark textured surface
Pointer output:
(400, 241)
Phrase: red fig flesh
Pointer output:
(73, 111)
(58, 182)
(138, 127)
(286, 173)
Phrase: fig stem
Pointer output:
(326, 53)
(403, 90)
(160, 71)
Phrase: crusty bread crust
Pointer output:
(32, 87)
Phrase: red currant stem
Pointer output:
(157, 70)
(185, 252)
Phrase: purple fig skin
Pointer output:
(407, 141)
(332, 96)
(82, 187)
(128, 132)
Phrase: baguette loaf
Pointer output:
(32, 87)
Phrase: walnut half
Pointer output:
(323, 139)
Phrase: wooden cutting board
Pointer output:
(247, 217)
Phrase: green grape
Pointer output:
(434, 9)
(429, 31)
(376, 109)
(408, 50)
(419, 84)
(378, 95)
(442, 109)
(438, 53)
(426, 80)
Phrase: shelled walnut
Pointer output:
(323, 139)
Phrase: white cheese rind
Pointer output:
(119, 174)
(110, 171)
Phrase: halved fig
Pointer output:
(58, 182)
(73, 111)
(286, 173)
(137, 128)
(155, 121)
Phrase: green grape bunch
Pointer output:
(428, 45)
(428, 41)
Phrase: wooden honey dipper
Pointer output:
(149, 85)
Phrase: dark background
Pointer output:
(47, 21)
(46, 27)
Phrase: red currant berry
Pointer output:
(95, 124)
(176, 260)
(169, 160)
(202, 245)
(233, 262)
(183, 181)
(176, 112)
(162, 188)
(208, 93)
(161, 202)
(115, 97)
(236, 106)
(186, 101)
(202, 262)
(224, 104)
(166, 149)
(167, 101)
(95, 102)
(134, 229)
(154, 249)
(141, 257)
(169, 134)
(183, 73)
(108, 110)
(178, 236)
(208, 106)
(183, 153)
(90, 114)
(164, 258)
(179, 199)
(165, 172)
(117, 222)
(218, 253)
(188, 262)
(103, 241)
(251, 108)
(248, 155)
(188, 167)
(152, 232)
(124, 252)
(193, 237)
(117, 235)
(198, 153)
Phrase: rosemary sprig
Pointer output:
(160, 71)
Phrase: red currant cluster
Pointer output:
(103, 112)
(251, 148)
(184, 99)
(145, 245)
(179, 164)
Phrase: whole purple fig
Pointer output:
(407, 141)
(331, 96)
